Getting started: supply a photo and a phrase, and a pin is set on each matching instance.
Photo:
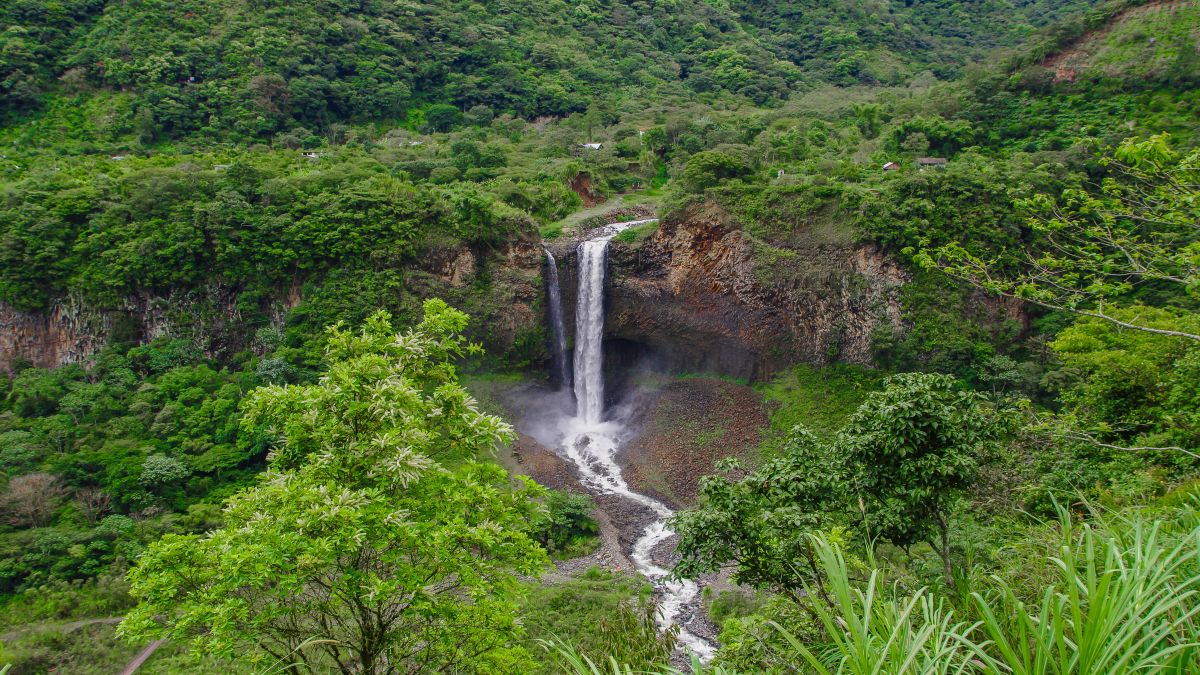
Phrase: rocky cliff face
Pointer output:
(499, 288)
(700, 295)
(68, 332)
(703, 295)
(72, 329)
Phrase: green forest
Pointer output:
(278, 351)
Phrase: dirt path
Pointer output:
(141, 658)
(62, 627)
(628, 200)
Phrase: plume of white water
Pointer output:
(592, 443)
(592, 256)
(557, 332)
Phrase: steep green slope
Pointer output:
(251, 68)
(868, 42)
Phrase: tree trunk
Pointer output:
(944, 526)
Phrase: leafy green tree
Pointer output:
(18, 69)
(37, 391)
(760, 523)
(710, 167)
(868, 117)
(655, 140)
(479, 115)
(897, 469)
(912, 449)
(1139, 230)
(567, 521)
(443, 117)
(935, 133)
(1132, 388)
(160, 474)
(373, 529)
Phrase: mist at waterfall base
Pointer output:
(576, 422)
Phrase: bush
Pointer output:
(603, 614)
(567, 529)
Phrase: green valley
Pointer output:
(663, 336)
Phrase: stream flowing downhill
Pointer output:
(591, 442)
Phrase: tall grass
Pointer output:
(1125, 601)
(870, 632)
(1124, 597)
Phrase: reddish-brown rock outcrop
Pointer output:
(705, 296)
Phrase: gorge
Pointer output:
(591, 441)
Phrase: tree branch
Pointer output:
(1088, 438)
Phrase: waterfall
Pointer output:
(560, 372)
(592, 443)
(589, 327)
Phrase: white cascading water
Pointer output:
(559, 348)
(591, 443)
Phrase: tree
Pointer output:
(710, 167)
(1130, 387)
(912, 449)
(761, 522)
(31, 500)
(655, 140)
(18, 69)
(93, 504)
(566, 521)
(162, 475)
(868, 117)
(443, 117)
(919, 134)
(479, 115)
(374, 529)
(894, 471)
(1140, 228)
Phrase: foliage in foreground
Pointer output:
(374, 528)
(896, 471)
(1123, 596)
(569, 660)
(602, 615)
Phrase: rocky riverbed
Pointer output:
(678, 430)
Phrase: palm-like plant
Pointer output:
(1125, 599)
(1126, 602)
(871, 632)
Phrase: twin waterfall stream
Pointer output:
(591, 442)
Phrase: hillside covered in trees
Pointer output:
(257, 68)
(274, 298)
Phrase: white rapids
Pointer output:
(591, 443)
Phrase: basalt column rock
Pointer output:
(706, 296)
